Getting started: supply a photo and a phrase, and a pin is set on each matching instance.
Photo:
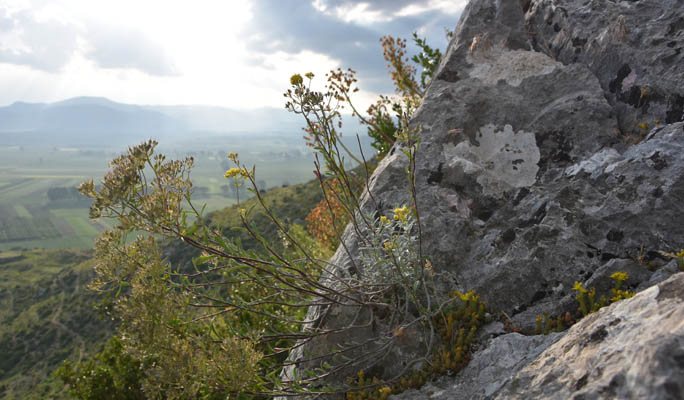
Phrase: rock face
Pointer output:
(488, 371)
(533, 171)
(633, 349)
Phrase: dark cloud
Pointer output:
(295, 25)
(128, 49)
(49, 45)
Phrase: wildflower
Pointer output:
(243, 212)
(389, 246)
(578, 287)
(401, 214)
(233, 156)
(232, 172)
(619, 276)
(235, 172)
(384, 220)
(680, 254)
(385, 390)
(296, 79)
(309, 75)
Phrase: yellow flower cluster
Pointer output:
(619, 276)
(233, 156)
(235, 172)
(578, 287)
(401, 214)
(296, 79)
(384, 220)
(385, 389)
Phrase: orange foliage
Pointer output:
(320, 219)
(394, 52)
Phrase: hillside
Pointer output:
(46, 316)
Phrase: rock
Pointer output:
(633, 47)
(661, 274)
(488, 370)
(546, 182)
(633, 349)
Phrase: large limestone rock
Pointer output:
(532, 173)
(633, 349)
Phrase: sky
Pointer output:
(229, 53)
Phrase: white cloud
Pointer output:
(360, 13)
(445, 6)
(230, 53)
(130, 49)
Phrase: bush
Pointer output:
(226, 328)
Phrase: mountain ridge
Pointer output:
(99, 121)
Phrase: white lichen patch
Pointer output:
(512, 66)
(503, 160)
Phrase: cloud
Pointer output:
(49, 44)
(386, 7)
(325, 27)
(44, 45)
(124, 48)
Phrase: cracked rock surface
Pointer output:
(633, 349)
(532, 172)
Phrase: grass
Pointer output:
(78, 219)
(22, 211)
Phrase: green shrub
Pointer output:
(226, 328)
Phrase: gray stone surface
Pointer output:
(531, 173)
(633, 47)
(633, 349)
(488, 371)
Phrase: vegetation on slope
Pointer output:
(46, 316)
(239, 306)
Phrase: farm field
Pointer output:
(39, 207)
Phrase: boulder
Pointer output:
(633, 349)
(488, 371)
(535, 168)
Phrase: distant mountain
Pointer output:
(97, 121)
(210, 119)
(83, 121)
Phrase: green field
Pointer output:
(29, 218)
